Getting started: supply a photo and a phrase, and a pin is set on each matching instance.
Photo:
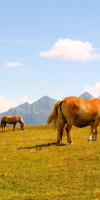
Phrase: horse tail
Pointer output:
(54, 113)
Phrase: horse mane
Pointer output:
(20, 119)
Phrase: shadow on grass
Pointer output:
(39, 147)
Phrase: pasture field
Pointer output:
(33, 167)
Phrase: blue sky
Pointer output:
(48, 47)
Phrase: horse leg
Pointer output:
(60, 127)
(93, 135)
(14, 126)
(4, 127)
(1, 128)
(68, 129)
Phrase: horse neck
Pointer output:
(20, 122)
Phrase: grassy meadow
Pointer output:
(33, 167)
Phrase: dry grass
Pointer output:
(33, 167)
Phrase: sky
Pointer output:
(48, 47)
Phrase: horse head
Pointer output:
(21, 123)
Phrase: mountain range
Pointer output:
(37, 112)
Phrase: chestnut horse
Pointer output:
(11, 120)
(78, 112)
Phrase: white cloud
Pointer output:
(6, 103)
(71, 50)
(13, 64)
(26, 99)
(94, 90)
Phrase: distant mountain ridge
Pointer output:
(37, 112)
(86, 95)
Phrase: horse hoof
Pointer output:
(58, 143)
(70, 143)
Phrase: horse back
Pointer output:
(81, 110)
(9, 119)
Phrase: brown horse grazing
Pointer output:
(78, 112)
(12, 120)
